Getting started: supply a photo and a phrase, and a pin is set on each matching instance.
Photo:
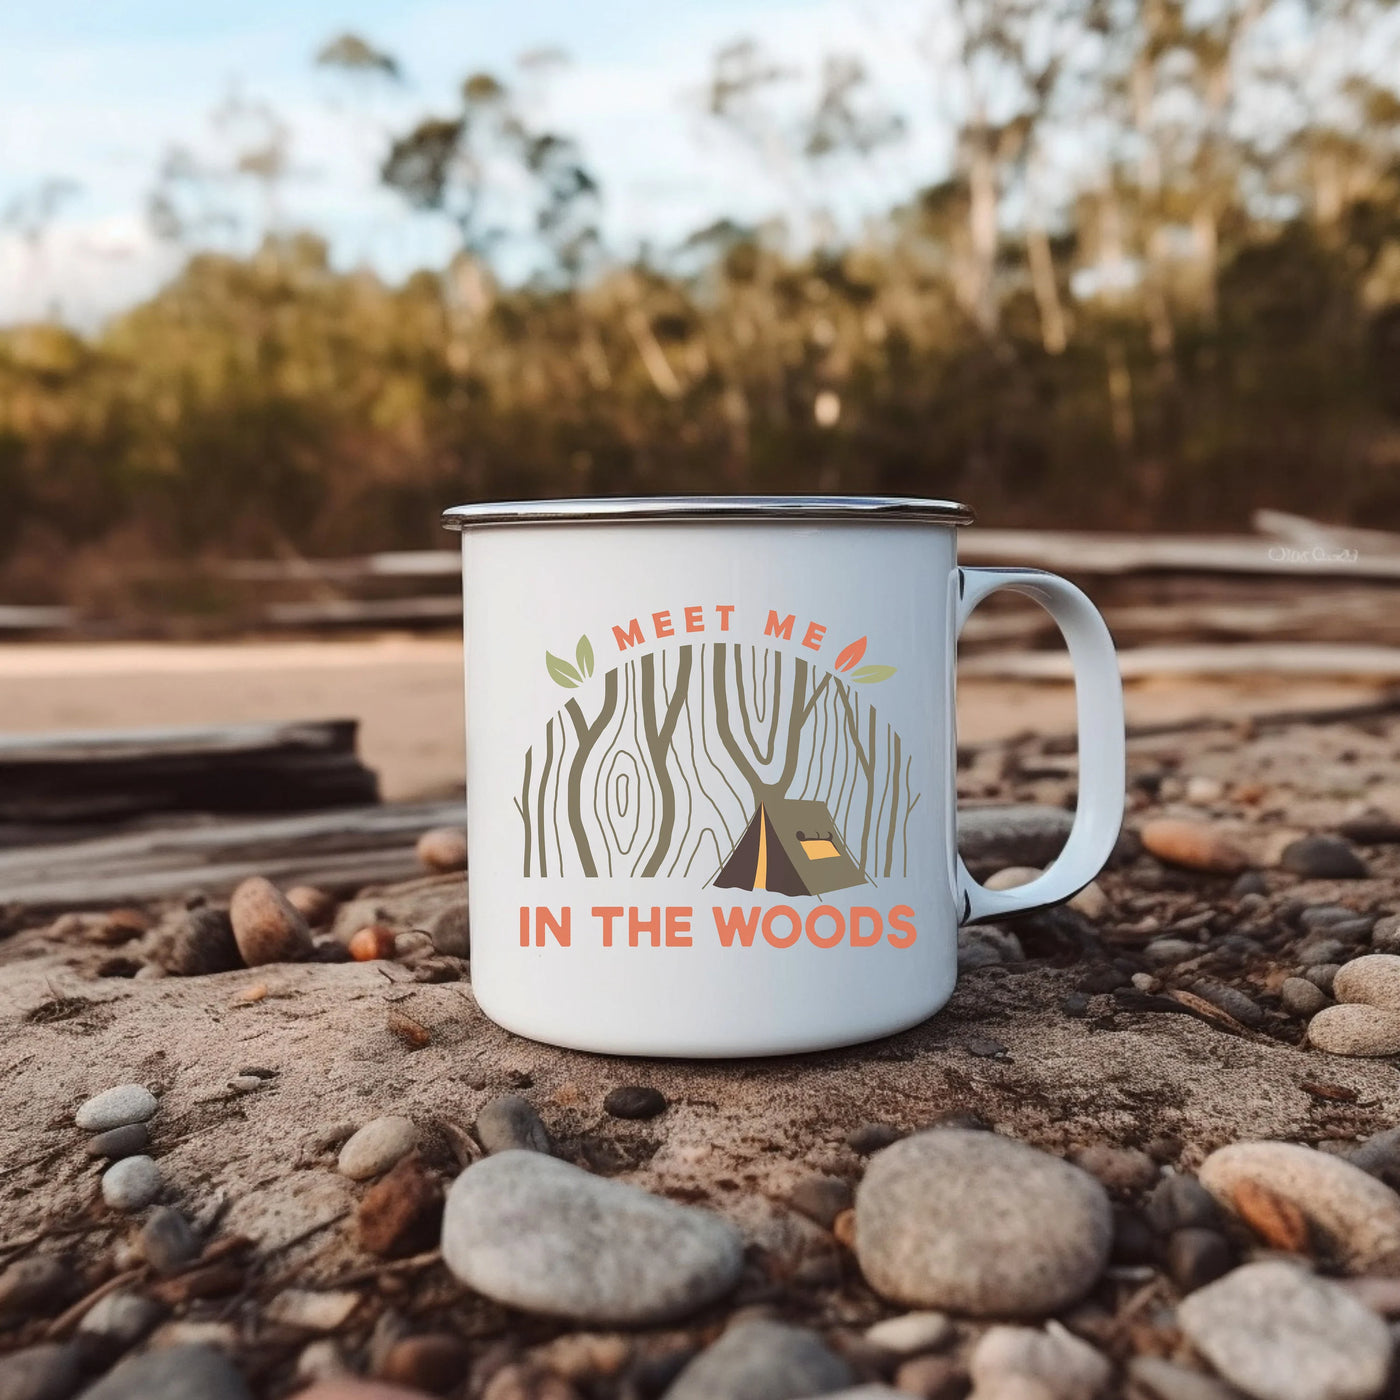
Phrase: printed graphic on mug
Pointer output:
(726, 761)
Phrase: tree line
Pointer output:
(1159, 286)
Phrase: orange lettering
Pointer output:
(786, 912)
(858, 940)
(729, 923)
(546, 923)
(630, 638)
(524, 925)
(815, 633)
(637, 926)
(607, 914)
(724, 609)
(902, 918)
(678, 928)
(695, 619)
(831, 939)
(775, 628)
(662, 622)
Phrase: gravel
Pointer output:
(762, 1360)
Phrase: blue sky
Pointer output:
(97, 94)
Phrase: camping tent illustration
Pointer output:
(790, 847)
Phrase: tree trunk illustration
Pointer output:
(587, 737)
(659, 737)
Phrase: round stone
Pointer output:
(536, 1233)
(451, 930)
(1299, 997)
(1277, 1332)
(1385, 934)
(1125, 1169)
(373, 943)
(912, 1333)
(316, 906)
(1323, 858)
(122, 1316)
(32, 1283)
(761, 1360)
(50, 1371)
(376, 1147)
(443, 849)
(1012, 877)
(166, 1241)
(509, 1123)
(1355, 1029)
(200, 944)
(176, 1373)
(131, 1184)
(1193, 846)
(634, 1101)
(115, 1108)
(980, 1224)
(125, 1141)
(1354, 1219)
(1373, 979)
(266, 926)
(1056, 1361)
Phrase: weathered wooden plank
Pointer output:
(342, 851)
(1377, 663)
(233, 768)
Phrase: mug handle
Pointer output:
(1098, 691)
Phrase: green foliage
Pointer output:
(560, 672)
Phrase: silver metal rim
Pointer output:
(623, 510)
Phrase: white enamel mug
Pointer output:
(711, 765)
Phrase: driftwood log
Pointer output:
(74, 778)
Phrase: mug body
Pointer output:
(711, 776)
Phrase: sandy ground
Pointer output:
(407, 693)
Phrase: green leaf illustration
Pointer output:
(561, 672)
(869, 675)
(584, 656)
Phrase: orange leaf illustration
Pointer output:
(851, 655)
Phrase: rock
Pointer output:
(1162, 952)
(1125, 1169)
(373, 943)
(123, 1317)
(1233, 1002)
(1091, 901)
(29, 1284)
(442, 849)
(1385, 934)
(348, 1389)
(1279, 1333)
(131, 1184)
(376, 1147)
(50, 1371)
(267, 928)
(166, 1241)
(434, 1361)
(324, 1359)
(450, 930)
(1353, 1218)
(912, 1333)
(932, 1378)
(199, 944)
(1323, 858)
(1197, 1257)
(1355, 1029)
(125, 1141)
(1373, 979)
(1323, 975)
(315, 905)
(821, 1198)
(1379, 1156)
(1155, 1378)
(987, 946)
(871, 1137)
(1318, 916)
(1319, 952)
(1066, 1367)
(313, 1310)
(536, 1233)
(1012, 877)
(246, 1083)
(761, 1360)
(116, 1108)
(1250, 883)
(1299, 997)
(510, 1123)
(1180, 1202)
(1012, 835)
(1193, 846)
(181, 1373)
(634, 1101)
(402, 1213)
(980, 1224)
